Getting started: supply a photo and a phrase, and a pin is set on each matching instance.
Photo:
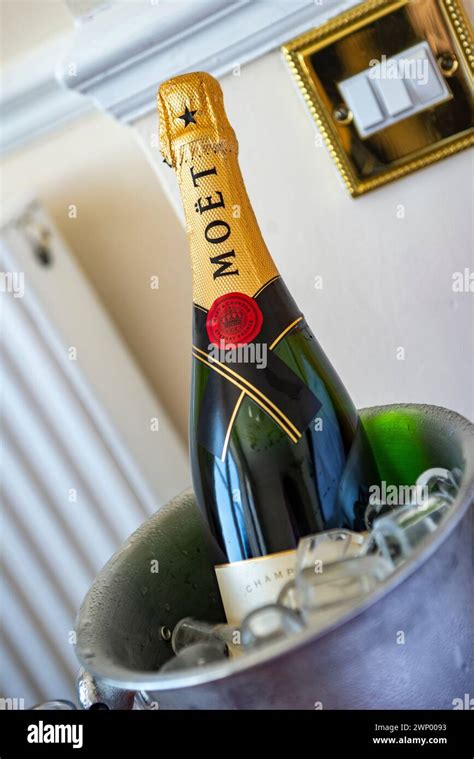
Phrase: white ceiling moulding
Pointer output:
(126, 51)
(116, 57)
(85, 9)
(32, 101)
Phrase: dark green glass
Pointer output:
(270, 492)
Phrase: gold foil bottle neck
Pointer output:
(191, 110)
(228, 253)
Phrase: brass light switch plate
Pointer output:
(389, 84)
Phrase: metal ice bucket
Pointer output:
(363, 661)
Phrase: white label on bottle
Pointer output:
(246, 585)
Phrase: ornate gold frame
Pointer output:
(342, 138)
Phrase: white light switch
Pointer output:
(360, 96)
(429, 85)
(394, 88)
(393, 94)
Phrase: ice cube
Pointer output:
(189, 631)
(268, 624)
(338, 585)
(441, 482)
(374, 510)
(396, 535)
(197, 655)
(288, 596)
(315, 550)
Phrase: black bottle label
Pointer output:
(235, 371)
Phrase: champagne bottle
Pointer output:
(277, 448)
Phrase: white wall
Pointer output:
(122, 235)
(387, 281)
(27, 23)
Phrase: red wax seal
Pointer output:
(233, 319)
